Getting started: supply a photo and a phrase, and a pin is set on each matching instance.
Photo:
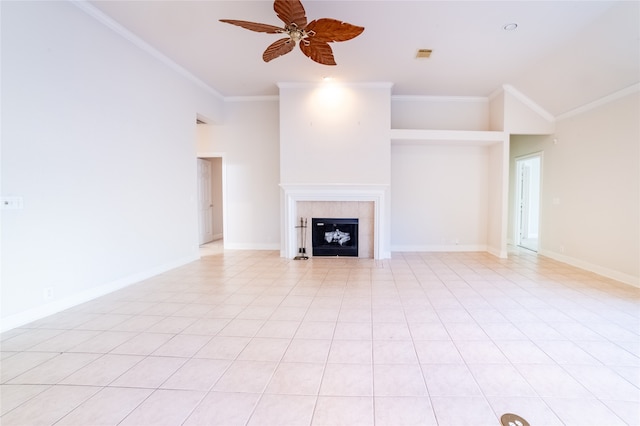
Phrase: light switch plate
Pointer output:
(11, 203)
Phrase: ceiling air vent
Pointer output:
(423, 53)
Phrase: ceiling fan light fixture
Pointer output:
(423, 53)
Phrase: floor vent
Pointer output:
(510, 419)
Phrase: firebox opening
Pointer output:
(334, 237)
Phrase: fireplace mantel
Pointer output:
(292, 193)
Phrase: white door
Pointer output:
(205, 203)
(528, 201)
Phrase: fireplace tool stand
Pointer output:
(302, 250)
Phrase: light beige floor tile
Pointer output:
(501, 380)
(398, 380)
(264, 349)
(104, 342)
(224, 409)
(533, 410)
(341, 410)
(182, 345)
(142, 344)
(477, 325)
(283, 410)
(351, 352)
(28, 338)
(49, 406)
(242, 328)
(604, 383)
(103, 370)
(455, 411)
(55, 369)
(206, 326)
(347, 380)
(394, 352)
(151, 372)
(64, 341)
(22, 362)
(552, 381)
(481, 352)
(523, 352)
(428, 331)
(246, 376)
(296, 379)
(171, 325)
(107, 407)
(307, 350)
(222, 347)
(315, 330)
(197, 374)
(353, 331)
(164, 407)
(398, 411)
(12, 396)
(583, 412)
(391, 331)
(437, 352)
(104, 322)
(450, 380)
(279, 329)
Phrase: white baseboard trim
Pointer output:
(39, 312)
(501, 253)
(439, 248)
(596, 269)
(251, 246)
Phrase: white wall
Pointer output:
(331, 134)
(248, 141)
(98, 138)
(439, 113)
(590, 208)
(439, 197)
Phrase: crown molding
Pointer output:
(528, 102)
(419, 98)
(378, 85)
(599, 102)
(272, 98)
(107, 21)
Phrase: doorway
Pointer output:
(528, 183)
(210, 204)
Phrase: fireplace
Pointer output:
(366, 202)
(334, 237)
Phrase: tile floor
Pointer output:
(249, 338)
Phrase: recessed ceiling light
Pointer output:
(423, 53)
(510, 27)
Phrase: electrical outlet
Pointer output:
(48, 293)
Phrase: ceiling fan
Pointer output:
(314, 37)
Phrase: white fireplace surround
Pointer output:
(292, 193)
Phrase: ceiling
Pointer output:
(562, 55)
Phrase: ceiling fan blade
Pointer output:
(278, 48)
(318, 51)
(291, 11)
(328, 30)
(254, 26)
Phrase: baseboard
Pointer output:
(241, 246)
(439, 248)
(596, 269)
(39, 312)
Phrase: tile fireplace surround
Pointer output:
(364, 202)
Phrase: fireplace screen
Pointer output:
(334, 237)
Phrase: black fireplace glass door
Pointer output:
(334, 237)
